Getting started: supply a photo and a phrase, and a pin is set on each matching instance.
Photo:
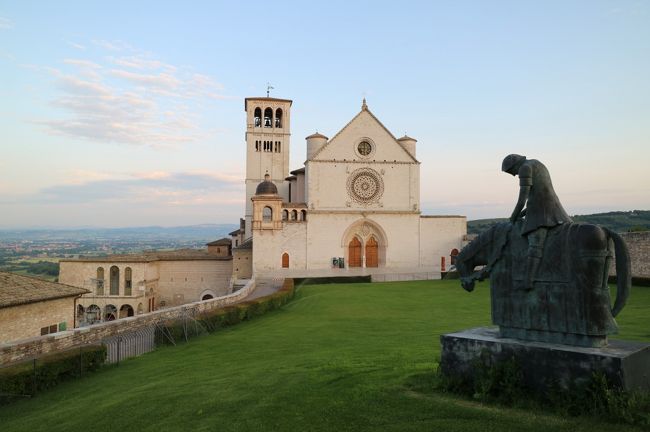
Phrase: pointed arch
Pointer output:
(372, 252)
(364, 229)
(285, 260)
(354, 252)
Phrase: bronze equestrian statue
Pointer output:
(548, 275)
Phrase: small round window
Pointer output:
(364, 148)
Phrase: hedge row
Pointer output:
(28, 378)
(636, 280)
(332, 280)
(208, 322)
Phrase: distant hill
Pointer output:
(619, 221)
(207, 232)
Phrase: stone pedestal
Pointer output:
(626, 364)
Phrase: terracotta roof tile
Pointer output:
(175, 255)
(221, 242)
(18, 289)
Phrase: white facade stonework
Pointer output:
(357, 198)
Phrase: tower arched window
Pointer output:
(258, 117)
(268, 117)
(267, 214)
(278, 118)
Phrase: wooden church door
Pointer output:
(354, 252)
(372, 258)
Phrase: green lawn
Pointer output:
(337, 358)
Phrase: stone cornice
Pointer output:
(362, 162)
(365, 212)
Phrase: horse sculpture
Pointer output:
(569, 302)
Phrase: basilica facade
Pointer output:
(352, 209)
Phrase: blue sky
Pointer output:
(131, 113)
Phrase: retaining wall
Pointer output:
(26, 349)
(639, 245)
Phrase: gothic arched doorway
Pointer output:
(372, 252)
(354, 253)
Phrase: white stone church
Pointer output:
(352, 209)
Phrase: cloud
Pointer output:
(161, 81)
(145, 102)
(77, 46)
(142, 63)
(6, 24)
(116, 46)
(157, 188)
(82, 63)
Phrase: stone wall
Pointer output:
(184, 281)
(37, 346)
(639, 245)
(242, 263)
(26, 321)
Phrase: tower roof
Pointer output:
(264, 99)
(266, 187)
(316, 135)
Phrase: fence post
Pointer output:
(34, 378)
(81, 362)
(119, 342)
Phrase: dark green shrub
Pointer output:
(636, 280)
(332, 280)
(28, 378)
(175, 331)
(503, 383)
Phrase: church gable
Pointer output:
(364, 138)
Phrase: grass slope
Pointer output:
(338, 358)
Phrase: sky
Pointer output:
(120, 113)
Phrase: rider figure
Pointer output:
(543, 209)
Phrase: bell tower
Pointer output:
(268, 122)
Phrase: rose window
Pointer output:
(365, 185)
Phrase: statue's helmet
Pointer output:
(511, 161)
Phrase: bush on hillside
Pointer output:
(179, 330)
(28, 378)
